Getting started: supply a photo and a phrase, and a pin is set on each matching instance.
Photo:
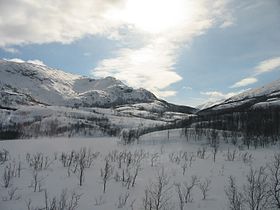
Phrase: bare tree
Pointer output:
(205, 187)
(189, 187)
(184, 166)
(35, 180)
(70, 161)
(230, 155)
(154, 158)
(106, 173)
(98, 201)
(122, 200)
(136, 172)
(132, 204)
(274, 182)
(12, 195)
(235, 198)
(191, 159)
(83, 159)
(180, 193)
(147, 200)
(201, 153)
(127, 177)
(214, 143)
(120, 159)
(38, 161)
(157, 194)
(65, 201)
(225, 136)
(255, 190)
(7, 176)
(19, 169)
(4, 156)
(28, 204)
(82, 162)
(246, 157)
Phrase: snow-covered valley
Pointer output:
(83, 143)
(42, 175)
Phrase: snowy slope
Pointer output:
(55, 87)
(263, 97)
(209, 104)
(37, 100)
(31, 84)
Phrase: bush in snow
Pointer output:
(205, 187)
(157, 194)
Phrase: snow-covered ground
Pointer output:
(40, 120)
(164, 153)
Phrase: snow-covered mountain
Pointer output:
(263, 97)
(208, 104)
(28, 83)
(38, 100)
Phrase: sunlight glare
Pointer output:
(155, 16)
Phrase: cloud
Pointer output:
(37, 62)
(139, 68)
(151, 33)
(263, 67)
(87, 54)
(152, 64)
(10, 50)
(39, 21)
(18, 60)
(227, 23)
(187, 88)
(245, 82)
(268, 65)
(217, 95)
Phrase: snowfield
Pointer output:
(132, 173)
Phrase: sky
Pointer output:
(184, 51)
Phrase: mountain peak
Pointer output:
(55, 87)
(265, 96)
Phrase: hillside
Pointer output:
(263, 97)
(31, 82)
(38, 100)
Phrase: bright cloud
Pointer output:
(263, 67)
(217, 95)
(187, 88)
(166, 26)
(158, 28)
(10, 49)
(18, 60)
(37, 62)
(268, 65)
(139, 68)
(40, 21)
(245, 82)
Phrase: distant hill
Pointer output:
(263, 97)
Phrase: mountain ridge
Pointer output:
(263, 97)
(29, 84)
